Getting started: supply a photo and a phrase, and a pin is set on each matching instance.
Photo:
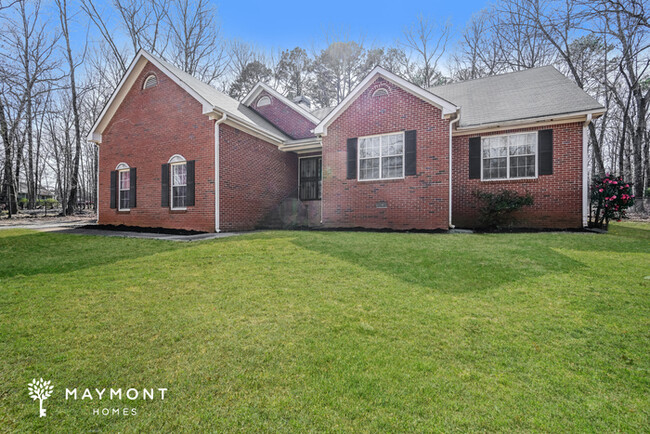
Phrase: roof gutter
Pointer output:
(578, 116)
(302, 145)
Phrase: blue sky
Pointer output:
(272, 24)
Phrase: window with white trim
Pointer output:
(381, 157)
(512, 156)
(179, 184)
(125, 189)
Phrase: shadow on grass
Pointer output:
(446, 263)
(637, 232)
(28, 253)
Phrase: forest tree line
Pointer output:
(60, 61)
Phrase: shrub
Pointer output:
(47, 203)
(498, 208)
(22, 202)
(610, 198)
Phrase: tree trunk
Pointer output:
(72, 199)
(8, 191)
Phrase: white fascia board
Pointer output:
(135, 68)
(253, 131)
(445, 106)
(207, 106)
(302, 145)
(94, 135)
(259, 87)
(532, 122)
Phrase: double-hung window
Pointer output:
(310, 178)
(179, 185)
(125, 189)
(512, 156)
(381, 157)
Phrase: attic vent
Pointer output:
(380, 92)
(265, 100)
(150, 81)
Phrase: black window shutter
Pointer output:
(114, 189)
(164, 186)
(475, 158)
(410, 153)
(133, 188)
(189, 199)
(545, 148)
(352, 158)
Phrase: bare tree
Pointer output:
(428, 40)
(195, 42)
(558, 21)
(144, 23)
(74, 100)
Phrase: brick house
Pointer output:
(177, 153)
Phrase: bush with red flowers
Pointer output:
(610, 197)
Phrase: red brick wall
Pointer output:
(416, 202)
(557, 197)
(255, 178)
(284, 117)
(147, 129)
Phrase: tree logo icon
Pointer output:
(40, 390)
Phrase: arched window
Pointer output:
(265, 100)
(382, 91)
(124, 187)
(177, 158)
(178, 173)
(150, 81)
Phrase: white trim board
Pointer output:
(529, 123)
(444, 105)
(135, 68)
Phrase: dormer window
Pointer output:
(264, 101)
(150, 81)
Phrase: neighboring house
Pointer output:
(390, 155)
(43, 193)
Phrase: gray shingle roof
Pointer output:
(322, 112)
(521, 95)
(222, 101)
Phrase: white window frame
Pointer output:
(146, 81)
(378, 90)
(508, 156)
(264, 98)
(171, 183)
(380, 157)
(120, 171)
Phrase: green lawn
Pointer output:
(327, 331)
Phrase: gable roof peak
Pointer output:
(298, 108)
(445, 106)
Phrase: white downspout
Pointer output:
(451, 127)
(585, 165)
(216, 172)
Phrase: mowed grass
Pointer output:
(328, 331)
